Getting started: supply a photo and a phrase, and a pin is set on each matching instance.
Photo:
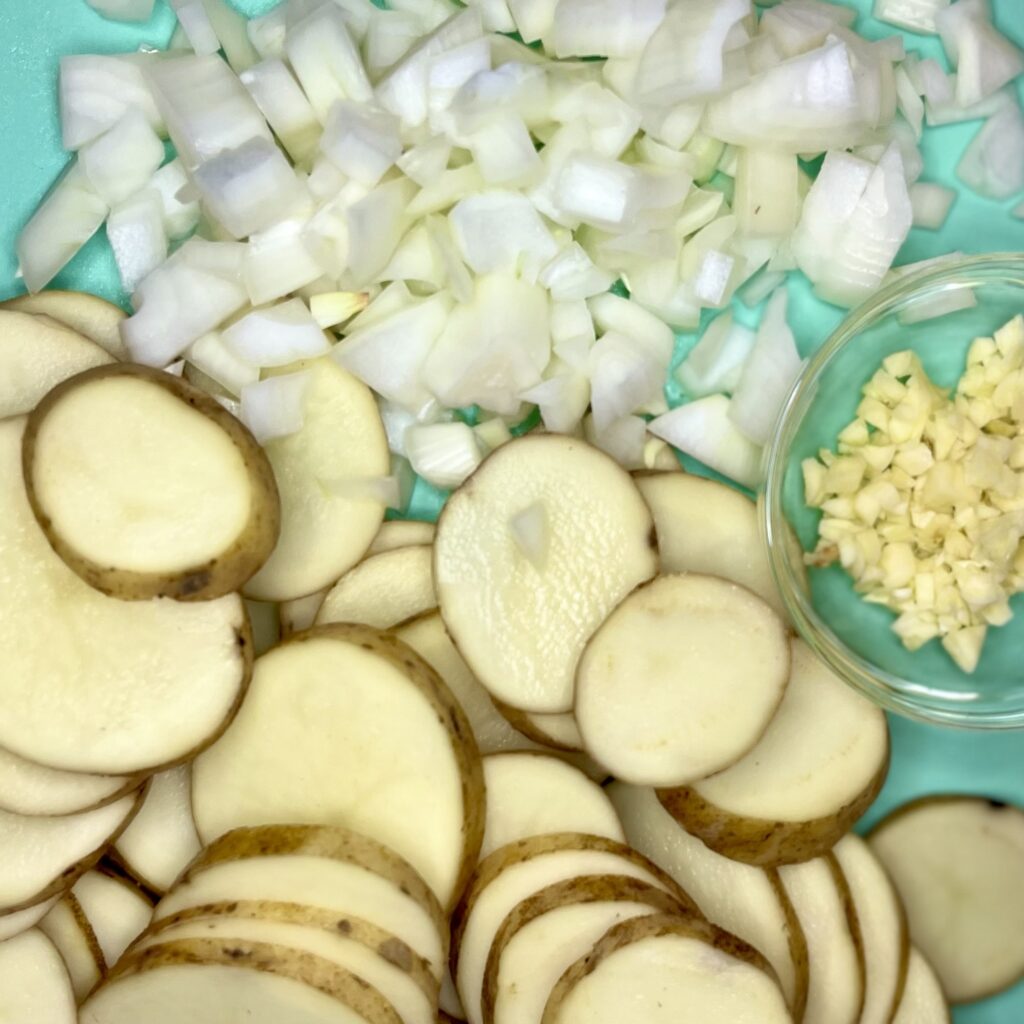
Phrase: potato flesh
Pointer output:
(959, 866)
(77, 946)
(133, 478)
(822, 749)
(401, 533)
(17, 921)
(34, 984)
(558, 730)
(117, 912)
(670, 979)
(530, 794)
(681, 680)
(95, 318)
(737, 897)
(29, 788)
(521, 629)
(923, 1001)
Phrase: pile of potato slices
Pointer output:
(558, 760)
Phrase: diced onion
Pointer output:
(135, 230)
(931, 204)
(124, 10)
(275, 407)
(362, 143)
(123, 159)
(277, 335)
(212, 356)
(993, 164)
(444, 454)
(715, 363)
(284, 105)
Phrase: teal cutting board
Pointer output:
(36, 32)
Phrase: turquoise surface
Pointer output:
(36, 33)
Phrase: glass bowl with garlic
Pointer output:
(898, 468)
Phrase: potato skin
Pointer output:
(797, 946)
(214, 578)
(521, 721)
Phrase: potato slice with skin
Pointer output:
(883, 928)
(89, 315)
(383, 590)
(667, 969)
(41, 857)
(116, 910)
(922, 1001)
(162, 839)
(36, 354)
(958, 864)
(522, 628)
(148, 488)
(67, 927)
(15, 922)
(401, 533)
(34, 985)
(265, 620)
(300, 614)
(559, 730)
(517, 871)
(108, 686)
(546, 934)
(205, 981)
(530, 794)
(324, 534)
(29, 788)
(815, 771)
(739, 898)
(835, 955)
(705, 526)
(314, 705)
(681, 680)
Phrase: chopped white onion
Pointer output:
(612, 122)
(993, 163)
(391, 34)
(284, 105)
(766, 200)
(911, 106)
(230, 28)
(605, 28)
(124, 10)
(571, 274)
(953, 21)
(915, 15)
(362, 142)
(426, 162)
(531, 532)
(624, 378)
(501, 231)
(376, 224)
(277, 262)
(195, 22)
(796, 28)
(624, 440)
(332, 308)
(595, 190)
(267, 32)
(562, 400)
(951, 112)
(277, 335)
(275, 407)
(715, 363)
(628, 318)
(444, 454)
(533, 18)
(456, 274)
(448, 71)
(449, 187)
(213, 357)
(760, 286)
(135, 230)
(931, 204)
(572, 333)
(504, 152)
(180, 215)
(985, 59)
(123, 159)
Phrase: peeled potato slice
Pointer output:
(116, 910)
(323, 531)
(147, 488)
(401, 533)
(335, 717)
(883, 928)
(67, 927)
(666, 969)
(835, 956)
(383, 590)
(529, 794)
(681, 680)
(161, 840)
(958, 864)
(36, 354)
(738, 897)
(815, 771)
(89, 315)
(34, 986)
(922, 1001)
(14, 922)
(521, 617)
(300, 613)
(559, 731)
(705, 526)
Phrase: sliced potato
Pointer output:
(883, 928)
(530, 794)
(739, 898)
(34, 986)
(324, 532)
(162, 839)
(265, 619)
(67, 927)
(521, 612)
(204, 981)
(558, 730)
(401, 533)
(89, 315)
(705, 526)
(383, 590)
(664, 969)
(300, 613)
(546, 934)
(29, 788)
(108, 686)
(14, 922)
(36, 354)
(41, 857)
(922, 1001)
(681, 680)
(958, 864)
(818, 892)
(148, 488)
(116, 910)
(815, 771)
(345, 702)
(451, 1004)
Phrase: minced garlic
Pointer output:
(923, 499)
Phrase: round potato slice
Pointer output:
(958, 864)
(345, 702)
(107, 686)
(922, 1001)
(323, 531)
(383, 590)
(546, 934)
(205, 981)
(558, 731)
(667, 969)
(116, 910)
(739, 898)
(89, 315)
(29, 788)
(36, 354)
(299, 614)
(530, 794)
(34, 984)
(14, 922)
(67, 927)
(401, 533)
(148, 488)
(681, 680)
(813, 773)
(532, 553)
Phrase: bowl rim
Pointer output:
(884, 688)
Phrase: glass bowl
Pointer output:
(937, 311)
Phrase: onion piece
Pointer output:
(363, 143)
(562, 400)
(760, 286)
(267, 32)
(571, 274)
(911, 106)
(439, 231)
(275, 407)
(606, 28)
(931, 204)
(446, 190)
(376, 225)
(447, 72)
(796, 28)
(195, 22)
(625, 440)
(625, 316)
(122, 160)
(284, 105)
(766, 199)
(993, 163)
(501, 231)
(595, 190)
(443, 454)
(572, 334)
(277, 261)
(937, 114)
(985, 59)
(915, 15)
(212, 356)
(426, 162)
(124, 10)
(504, 152)
(624, 378)
(135, 230)
(417, 259)
(180, 215)
(533, 18)
(716, 362)
(329, 309)
(230, 28)
(277, 335)
(390, 36)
